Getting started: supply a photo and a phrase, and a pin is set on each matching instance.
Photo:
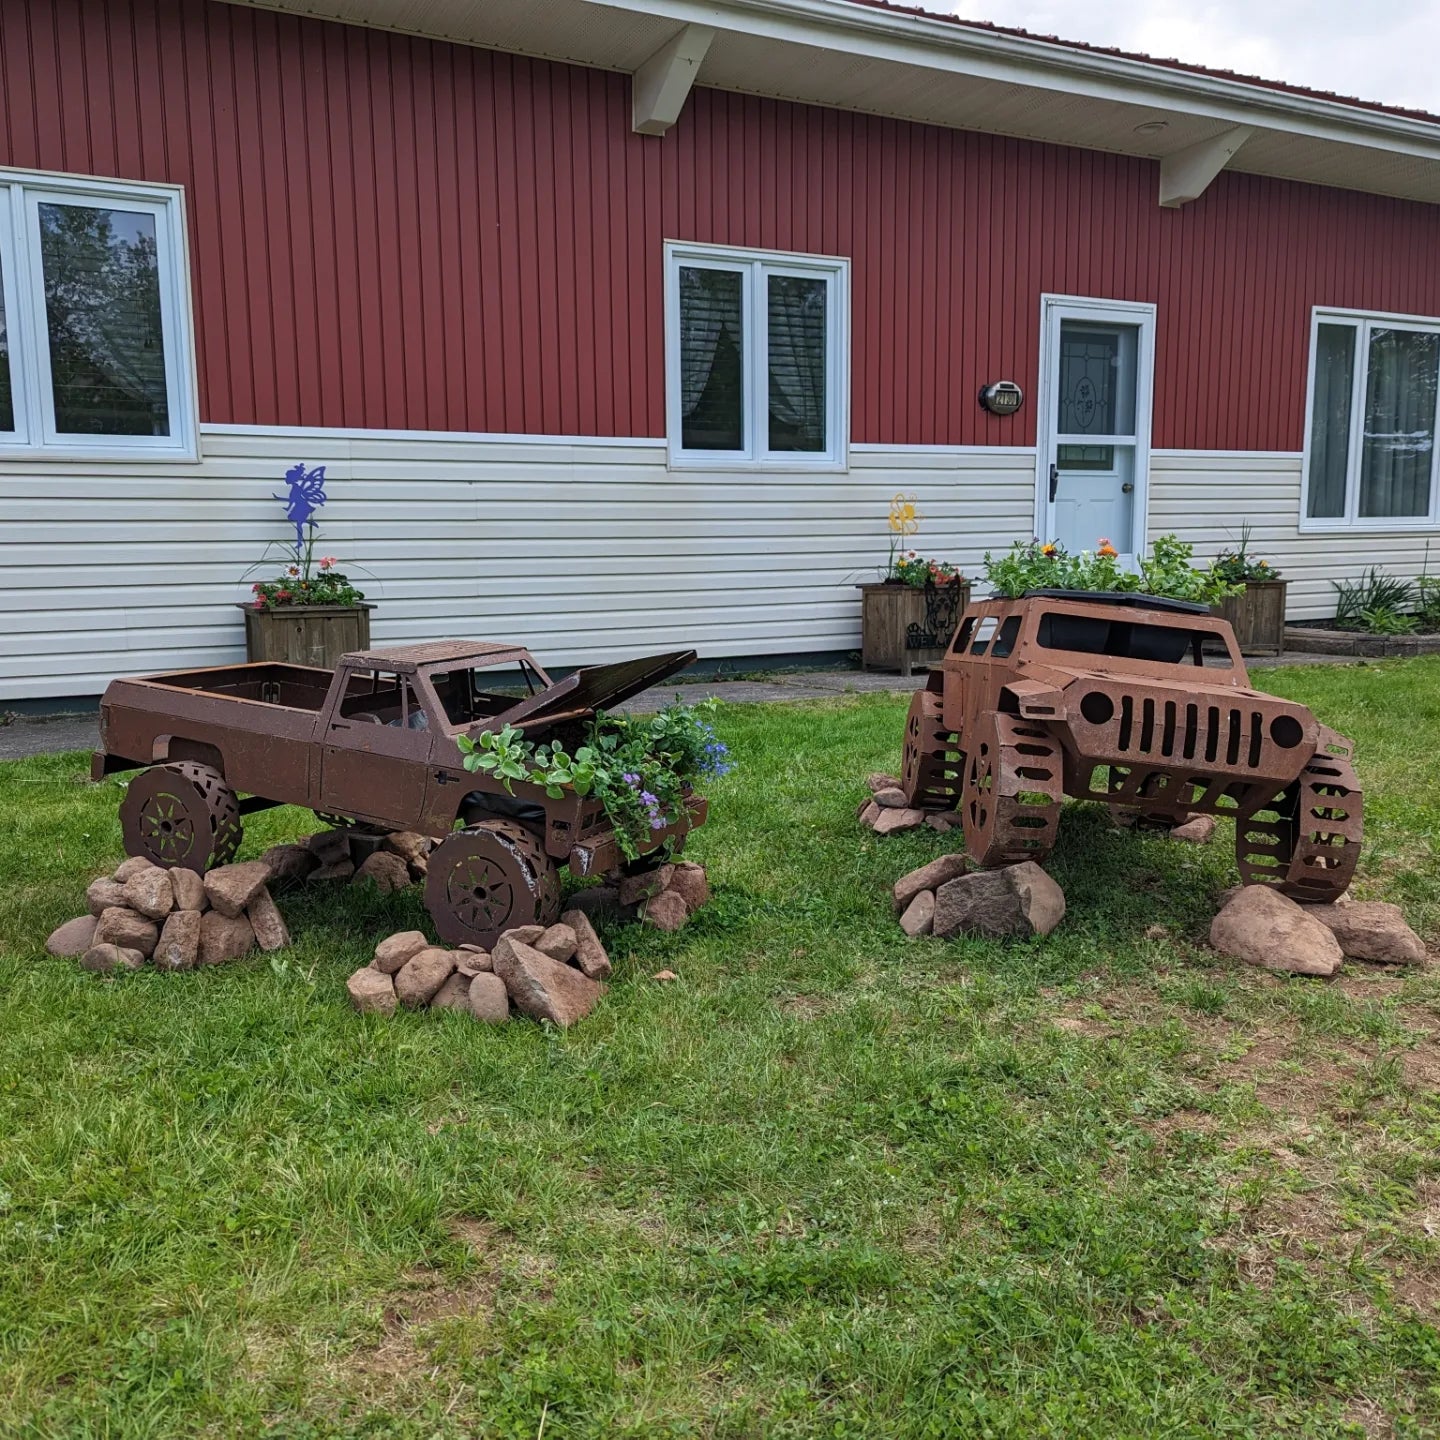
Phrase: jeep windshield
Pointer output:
(1128, 639)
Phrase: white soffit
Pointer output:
(858, 57)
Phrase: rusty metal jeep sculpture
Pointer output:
(372, 745)
(1109, 697)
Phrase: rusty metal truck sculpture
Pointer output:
(372, 745)
(1108, 697)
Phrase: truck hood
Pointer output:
(598, 687)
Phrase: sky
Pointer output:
(1384, 52)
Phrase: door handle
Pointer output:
(1127, 487)
(1054, 481)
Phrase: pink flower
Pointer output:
(326, 561)
(256, 588)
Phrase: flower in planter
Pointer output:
(1239, 565)
(905, 520)
(303, 580)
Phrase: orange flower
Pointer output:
(1050, 549)
(1107, 550)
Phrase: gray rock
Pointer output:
(149, 893)
(119, 926)
(590, 954)
(1263, 927)
(666, 911)
(454, 994)
(290, 863)
(388, 872)
(392, 952)
(372, 991)
(107, 957)
(1018, 900)
(342, 869)
(943, 821)
(489, 999)
(542, 987)
(420, 978)
(645, 883)
(1371, 930)
(271, 932)
(224, 937)
(927, 877)
(330, 845)
(133, 866)
(179, 944)
(188, 889)
(232, 887)
(105, 894)
(919, 916)
(74, 937)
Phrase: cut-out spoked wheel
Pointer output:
(488, 879)
(932, 772)
(182, 815)
(1011, 793)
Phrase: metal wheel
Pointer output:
(1011, 792)
(487, 879)
(182, 815)
(1306, 844)
(933, 765)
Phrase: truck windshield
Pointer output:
(476, 694)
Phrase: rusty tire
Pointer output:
(181, 815)
(489, 878)
(1307, 842)
(1013, 784)
(932, 772)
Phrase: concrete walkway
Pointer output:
(53, 734)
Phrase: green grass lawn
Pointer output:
(830, 1182)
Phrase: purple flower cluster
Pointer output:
(650, 803)
(716, 759)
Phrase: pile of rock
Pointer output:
(175, 919)
(886, 809)
(1262, 927)
(390, 861)
(554, 973)
(946, 898)
(664, 897)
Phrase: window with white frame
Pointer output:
(95, 352)
(1374, 387)
(757, 358)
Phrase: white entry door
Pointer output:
(1096, 379)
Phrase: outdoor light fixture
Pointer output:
(1152, 127)
(1002, 397)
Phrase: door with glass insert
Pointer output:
(1095, 429)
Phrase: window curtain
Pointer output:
(1399, 440)
(1330, 420)
(795, 311)
(7, 404)
(102, 307)
(709, 303)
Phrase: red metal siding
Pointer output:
(394, 233)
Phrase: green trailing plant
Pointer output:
(1239, 565)
(1166, 571)
(1427, 601)
(1374, 593)
(1381, 620)
(640, 768)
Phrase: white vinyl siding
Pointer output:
(757, 359)
(96, 354)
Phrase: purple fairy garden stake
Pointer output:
(304, 579)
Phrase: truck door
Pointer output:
(375, 748)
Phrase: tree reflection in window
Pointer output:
(102, 309)
(7, 403)
(712, 385)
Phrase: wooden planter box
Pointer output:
(306, 634)
(1257, 616)
(902, 626)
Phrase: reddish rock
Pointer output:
(1196, 830)
(392, 952)
(271, 932)
(342, 869)
(690, 884)
(598, 900)
(131, 867)
(919, 916)
(880, 781)
(119, 926)
(526, 934)
(179, 945)
(149, 893)
(892, 797)
(471, 960)
(187, 889)
(644, 884)
(107, 957)
(927, 877)
(943, 821)
(1018, 900)
(888, 821)
(224, 937)
(232, 887)
(290, 863)
(666, 911)
(105, 894)
(372, 992)
(664, 976)
(590, 954)
(1371, 930)
(1263, 927)
(542, 987)
(559, 942)
(420, 978)
(454, 994)
(869, 814)
(489, 999)
(412, 848)
(388, 872)
(74, 937)
(329, 845)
